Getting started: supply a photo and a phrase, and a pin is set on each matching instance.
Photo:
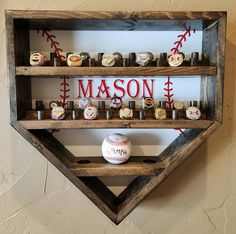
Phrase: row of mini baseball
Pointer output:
(116, 59)
(92, 112)
(115, 103)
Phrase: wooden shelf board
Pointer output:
(115, 123)
(102, 20)
(115, 71)
(109, 15)
(135, 166)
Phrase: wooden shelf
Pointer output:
(135, 166)
(115, 71)
(115, 123)
(84, 20)
(81, 172)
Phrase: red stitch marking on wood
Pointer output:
(64, 91)
(177, 45)
(55, 46)
(182, 38)
(168, 94)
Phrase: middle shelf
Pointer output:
(115, 71)
(115, 123)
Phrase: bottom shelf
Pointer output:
(135, 166)
(82, 171)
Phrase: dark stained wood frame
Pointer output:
(83, 172)
(115, 71)
(115, 123)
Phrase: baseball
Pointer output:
(116, 148)
(193, 113)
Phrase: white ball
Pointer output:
(116, 148)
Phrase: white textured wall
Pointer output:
(199, 197)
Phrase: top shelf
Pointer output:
(115, 71)
(71, 20)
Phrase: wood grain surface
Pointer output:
(135, 166)
(114, 123)
(115, 71)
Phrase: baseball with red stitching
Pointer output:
(116, 148)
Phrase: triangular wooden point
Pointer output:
(116, 207)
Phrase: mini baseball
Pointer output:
(178, 105)
(116, 102)
(90, 112)
(193, 113)
(148, 102)
(108, 60)
(175, 60)
(84, 103)
(126, 113)
(58, 113)
(144, 58)
(160, 113)
(74, 60)
(116, 148)
(37, 59)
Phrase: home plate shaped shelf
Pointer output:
(83, 172)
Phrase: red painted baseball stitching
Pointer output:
(55, 45)
(182, 38)
(168, 94)
(177, 44)
(65, 89)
